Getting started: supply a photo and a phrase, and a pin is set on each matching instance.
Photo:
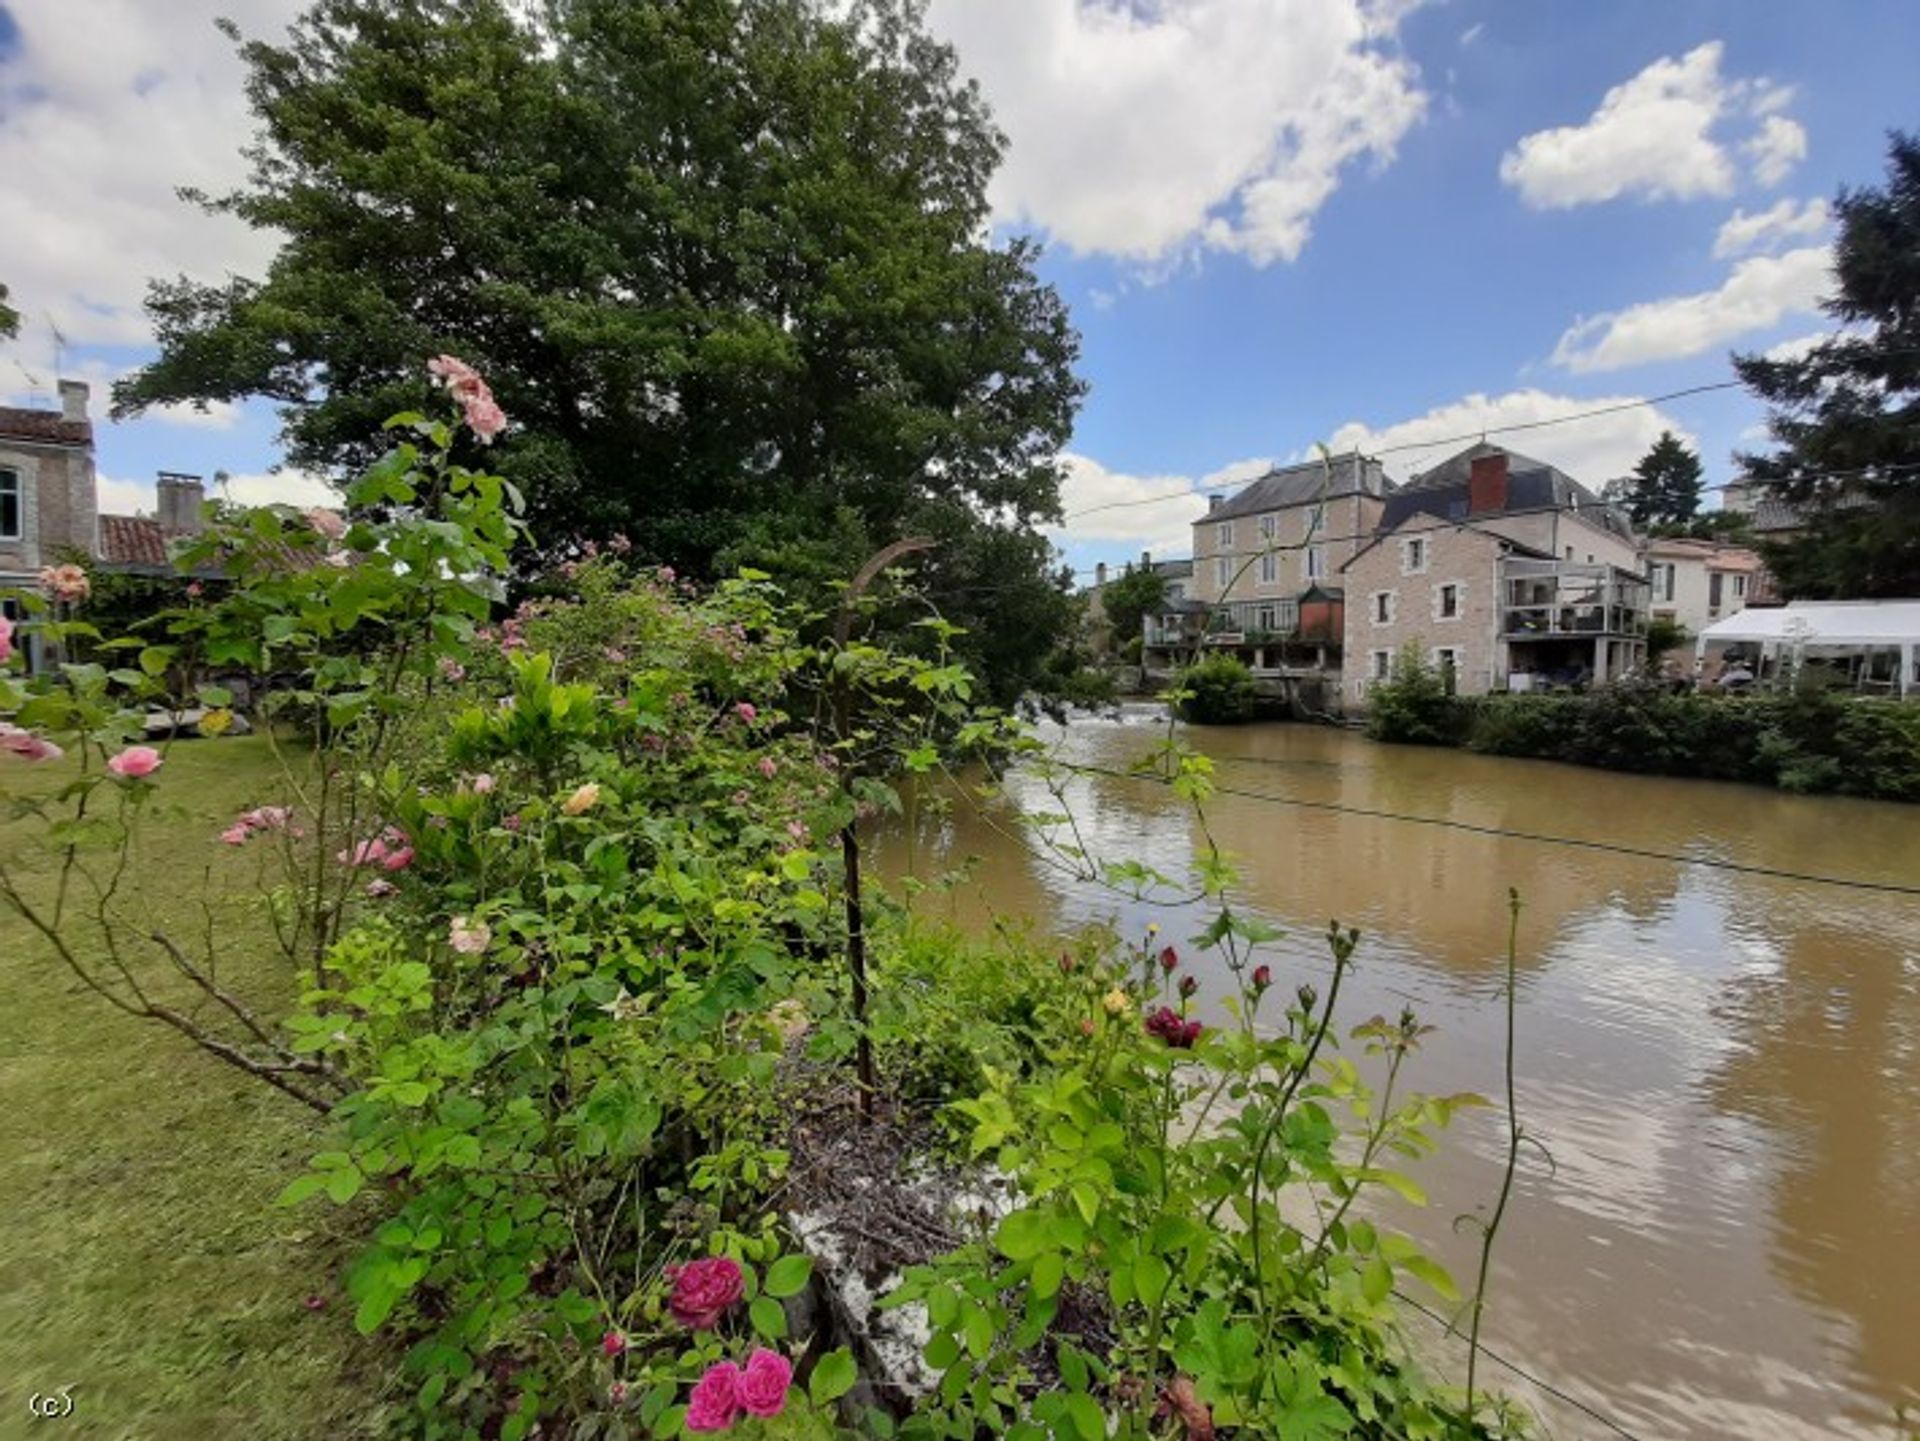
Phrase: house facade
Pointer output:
(1266, 562)
(1504, 572)
(1696, 582)
(49, 505)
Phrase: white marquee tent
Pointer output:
(1826, 630)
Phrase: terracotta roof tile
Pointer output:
(48, 427)
(134, 540)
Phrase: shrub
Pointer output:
(1217, 691)
(1416, 705)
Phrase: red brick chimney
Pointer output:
(1487, 484)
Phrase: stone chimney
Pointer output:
(1146, 560)
(1214, 502)
(73, 399)
(1100, 574)
(1487, 484)
(181, 497)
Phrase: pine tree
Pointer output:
(1847, 415)
(1665, 489)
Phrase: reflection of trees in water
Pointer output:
(1829, 1062)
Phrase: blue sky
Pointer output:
(1278, 222)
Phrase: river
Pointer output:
(1724, 1066)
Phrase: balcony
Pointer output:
(1548, 599)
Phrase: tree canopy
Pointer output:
(1665, 489)
(1846, 416)
(1126, 600)
(9, 317)
(723, 262)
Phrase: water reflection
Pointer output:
(1722, 1064)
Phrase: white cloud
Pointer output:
(1139, 512)
(104, 109)
(1780, 145)
(118, 496)
(1761, 291)
(1767, 229)
(218, 414)
(1593, 450)
(1152, 130)
(1472, 33)
(1654, 136)
(1800, 346)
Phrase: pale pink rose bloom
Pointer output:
(582, 800)
(339, 559)
(485, 418)
(135, 762)
(397, 860)
(469, 938)
(746, 712)
(6, 639)
(797, 830)
(451, 669)
(379, 889)
(459, 377)
(767, 767)
(329, 523)
(65, 582)
(27, 745)
(367, 853)
(482, 784)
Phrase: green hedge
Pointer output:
(1218, 691)
(1806, 741)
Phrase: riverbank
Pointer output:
(143, 1260)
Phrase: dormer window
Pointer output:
(13, 506)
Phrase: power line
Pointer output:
(1539, 837)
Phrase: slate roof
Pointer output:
(44, 427)
(1531, 485)
(1173, 569)
(1302, 485)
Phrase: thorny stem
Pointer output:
(1514, 1133)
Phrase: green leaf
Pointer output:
(788, 1276)
(1088, 1419)
(833, 1376)
(943, 1307)
(1376, 1280)
(769, 1318)
(1024, 1235)
(978, 1327)
(1049, 1270)
(1433, 1273)
(343, 1185)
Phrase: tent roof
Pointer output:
(1829, 622)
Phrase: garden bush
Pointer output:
(1217, 691)
(578, 960)
(1416, 704)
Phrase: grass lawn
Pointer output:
(141, 1255)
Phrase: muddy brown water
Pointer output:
(1724, 1066)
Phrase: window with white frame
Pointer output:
(1413, 555)
(1380, 664)
(1740, 586)
(1264, 620)
(1446, 660)
(1223, 535)
(1316, 562)
(1383, 607)
(1662, 577)
(13, 505)
(1268, 525)
(1269, 568)
(1316, 521)
(1446, 604)
(1223, 571)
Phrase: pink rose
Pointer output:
(65, 582)
(329, 523)
(461, 379)
(482, 784)
(27, 745)
(746, 712)
(379, 890)
(195, 590)
(715, 1402)
(763, 1385)
(469, 938)
(235, 834)
(767, 767)
(397, 860)
(135, 762)
(703, 1291)
(451, 669)
(612, 1344)
(797, 830)
(6, 639)
(485, 418)
(512, 823)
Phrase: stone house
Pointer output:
(1504, 571)
(1276, 545)
(49, 506)
(1696, 582)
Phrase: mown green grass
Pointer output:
(141, 1256)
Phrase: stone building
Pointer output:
(1504, 572)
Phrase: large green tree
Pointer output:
(724, 262)
(1127, 600)
(1846, 417)
(9, 317)
(1665, 489)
